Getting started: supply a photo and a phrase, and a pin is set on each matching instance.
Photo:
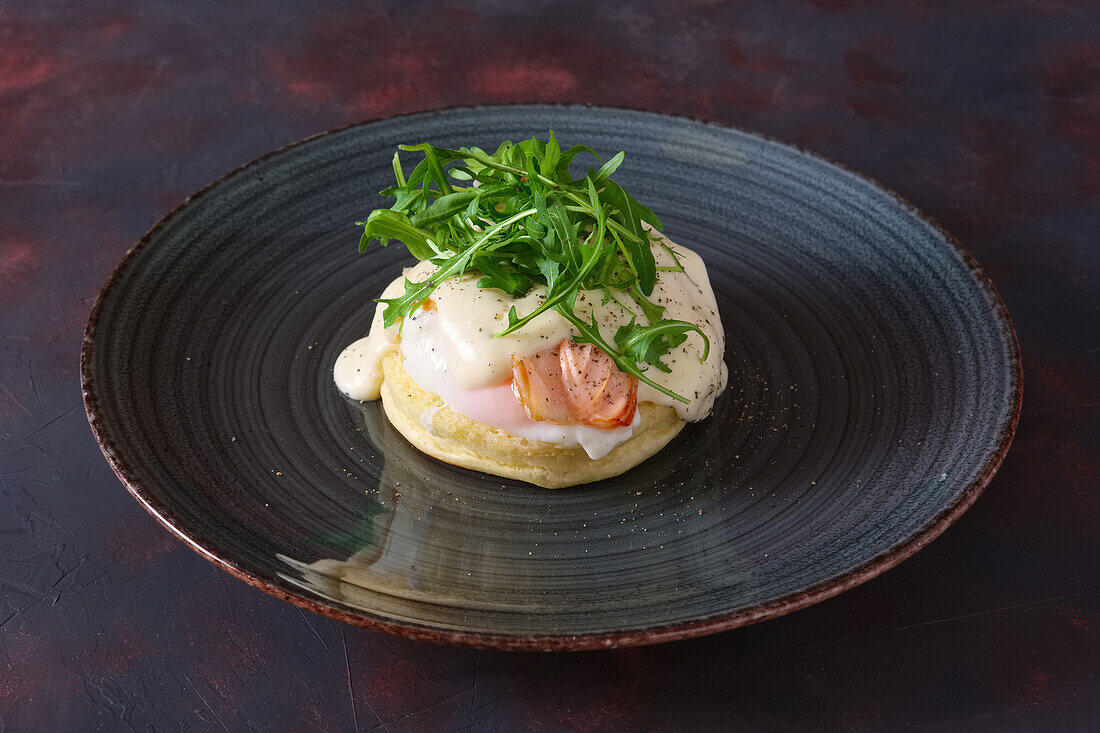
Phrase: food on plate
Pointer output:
(550, 332)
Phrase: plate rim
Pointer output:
(600, 640)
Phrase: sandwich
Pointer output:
(550, 332)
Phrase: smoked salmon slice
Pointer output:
(574, 383)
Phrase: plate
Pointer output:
(874, 389)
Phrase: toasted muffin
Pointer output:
(436, 429)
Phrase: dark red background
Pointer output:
(985, 114)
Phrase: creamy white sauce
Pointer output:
(423, 346)
(457, 353)
(358, 369)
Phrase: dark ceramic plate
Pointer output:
(874, 388)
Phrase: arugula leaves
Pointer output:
(527, 222)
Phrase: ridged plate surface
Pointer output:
(874, 387)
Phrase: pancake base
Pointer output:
(469, 443)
